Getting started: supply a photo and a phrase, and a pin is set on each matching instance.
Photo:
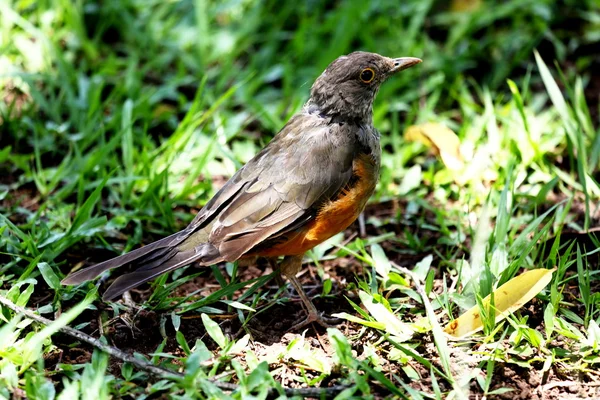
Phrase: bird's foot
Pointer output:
(290, 266)
(325, 322)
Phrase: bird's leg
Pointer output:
(290, 267)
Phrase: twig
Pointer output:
(328, 392)
(84, 337)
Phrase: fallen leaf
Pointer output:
(441, 140)
(507, 298)
(465, 5)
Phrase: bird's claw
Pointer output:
(325, 322)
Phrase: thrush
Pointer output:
(309, 183)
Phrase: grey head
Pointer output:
(347, 88)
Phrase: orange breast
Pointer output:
(335, 215)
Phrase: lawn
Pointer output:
(119, 119)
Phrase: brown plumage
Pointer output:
(309, 183)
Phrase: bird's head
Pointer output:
(347, 88)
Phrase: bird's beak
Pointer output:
(403, 63)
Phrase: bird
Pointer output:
(310, 182)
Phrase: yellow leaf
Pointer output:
(163, 109)
(440, 139)
(465, 5)
(507, 298)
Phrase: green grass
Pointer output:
(118, 119)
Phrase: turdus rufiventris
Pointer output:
(308, 184)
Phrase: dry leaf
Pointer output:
(465, 5)
(507, 298)
(441, 140)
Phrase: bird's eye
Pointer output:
(367, 75)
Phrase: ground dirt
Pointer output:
(138, 330)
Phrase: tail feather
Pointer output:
(149, 263)
(142, 255)
(206, 254)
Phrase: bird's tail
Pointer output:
(150, 261)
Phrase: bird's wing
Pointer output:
(306, 164)
(280, 189)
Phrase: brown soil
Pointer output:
(139, 330)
